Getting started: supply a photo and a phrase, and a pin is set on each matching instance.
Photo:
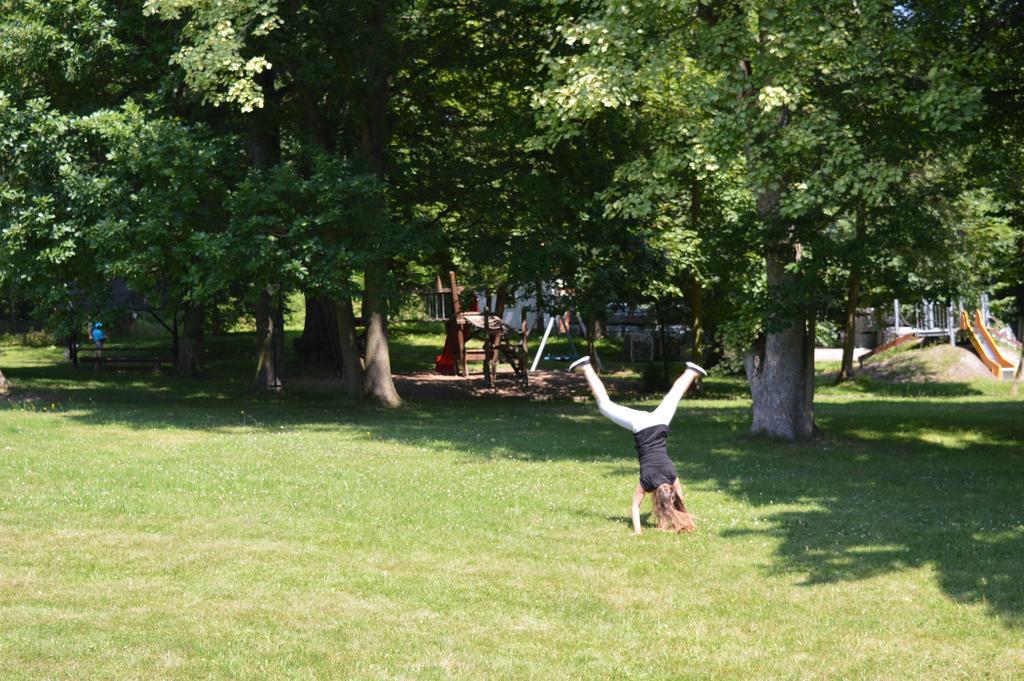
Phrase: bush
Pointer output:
(29, 339)
(731, 364)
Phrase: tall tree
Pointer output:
(163, 196)
(299, 73)
(65, 66)
(997, 160)
(43, 218)
(774, 84)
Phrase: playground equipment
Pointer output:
(932, 320)
(564, 322)
(486, 325)
(927, 320)
(985, 346)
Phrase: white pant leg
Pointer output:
(634, 419)
(662, 416)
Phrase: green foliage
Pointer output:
(57, 48)
(823, 118)
(28, 339)
(311, 233)
(979, 241)
(60, 61)
(634, 152)
(44, 250)
(162, 185)
(216, 35)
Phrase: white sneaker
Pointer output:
(582, 361)
(696, 367)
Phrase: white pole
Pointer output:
(896, 316)
(949, 325)
(540, 350)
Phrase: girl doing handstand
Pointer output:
(650, 432)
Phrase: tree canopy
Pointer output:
(754, 167)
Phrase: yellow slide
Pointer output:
(986, 348)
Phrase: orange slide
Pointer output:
(986, 348)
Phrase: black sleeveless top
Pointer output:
(655, 466)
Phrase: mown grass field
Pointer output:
(153, 527)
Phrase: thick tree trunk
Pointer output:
(330, 334)
(265, 152)
(316, 343)
(189, 361)
(375, 134)
(270, 342)
(850, 325)
(73, 349)
(264, 135)
(377, 382)
(4, 383)
(352, 363)
(332, 339)
(781, 372)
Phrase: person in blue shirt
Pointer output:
(99, 337)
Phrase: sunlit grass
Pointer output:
(154, 527)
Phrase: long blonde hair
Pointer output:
(670, 510)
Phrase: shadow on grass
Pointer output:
(911, 387)
(921, 385)
(894, 485)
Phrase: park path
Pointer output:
(836, 354)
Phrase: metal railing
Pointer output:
(927, 318)
(930, 318)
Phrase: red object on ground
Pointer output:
(445, 362)
(444, 365)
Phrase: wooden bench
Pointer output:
(124, 356)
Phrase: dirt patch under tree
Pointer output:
(425, 385)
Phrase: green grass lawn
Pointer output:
(153, 527)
